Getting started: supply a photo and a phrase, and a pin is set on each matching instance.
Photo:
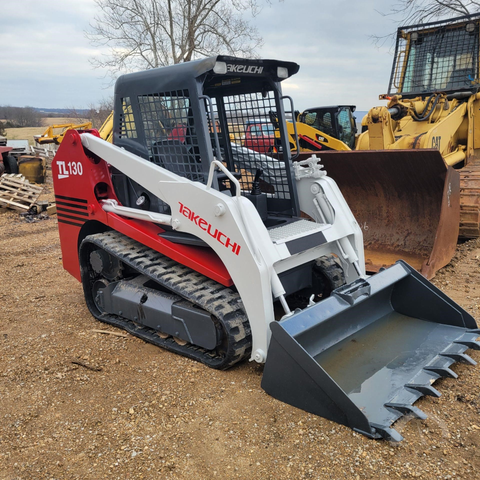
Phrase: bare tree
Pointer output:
(421, 11)
(412, 12)
(20, 116)
(144, 34)
(96, 113)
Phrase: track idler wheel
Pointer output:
(105, 264)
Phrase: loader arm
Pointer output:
(445, 131)
(201, 212)
(106, 130)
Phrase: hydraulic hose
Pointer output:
(422, 117)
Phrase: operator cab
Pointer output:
(337, 122)
(439, 57)
(184, 116)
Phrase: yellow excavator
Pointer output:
(56, 133)
(413, 177)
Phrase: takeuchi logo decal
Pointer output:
(244, 69)
(207, 227)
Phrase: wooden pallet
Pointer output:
(16, 192)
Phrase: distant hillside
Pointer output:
(61, 111)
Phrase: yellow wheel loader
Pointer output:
(197, 245)
(413, 179)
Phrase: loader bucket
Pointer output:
(364, 355)
(406, 201)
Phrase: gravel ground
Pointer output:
(78, 404)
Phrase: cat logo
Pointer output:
(436, 142)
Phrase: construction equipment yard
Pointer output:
(83, 400)
(182, 239)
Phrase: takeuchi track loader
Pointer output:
(198, 245)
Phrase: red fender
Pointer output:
(81, 182)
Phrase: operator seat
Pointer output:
(461, 78)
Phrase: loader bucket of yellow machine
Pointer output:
(406, 201)
(364, 355)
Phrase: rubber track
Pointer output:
(221, 302)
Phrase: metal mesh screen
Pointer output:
(127, 123)
(248, 142)
(440, 58)
(170, 137)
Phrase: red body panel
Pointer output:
(5, 149)
(80, 184)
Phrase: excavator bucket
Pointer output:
(406, 201)
(364, 355)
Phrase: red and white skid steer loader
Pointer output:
(221, 253)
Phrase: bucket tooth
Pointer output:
(473, 344)
(459, 357)
(441, 371)
(387, 433)
(407, 409)
(424, 389)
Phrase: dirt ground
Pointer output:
(78, 404)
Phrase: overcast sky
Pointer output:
(45, 55)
